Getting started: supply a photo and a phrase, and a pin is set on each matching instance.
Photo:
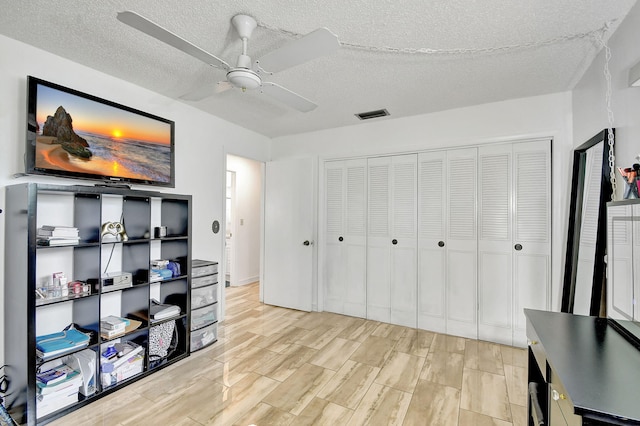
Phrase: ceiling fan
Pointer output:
(247, 75)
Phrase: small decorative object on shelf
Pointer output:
(631, 178)
(115, 229)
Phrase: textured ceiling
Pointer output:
(549, 44)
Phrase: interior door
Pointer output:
(379, 239)
(432, 262)
(495, 247)
(289, 233)
(345, 249)
(404, 240)
(462, 246)
(531, 231)
(334, 249)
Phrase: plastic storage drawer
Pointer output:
(204, 337)
(204, 296)
(200, 268)
(203, 316)
(202, 281)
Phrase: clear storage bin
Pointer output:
(203, 337)
(201, 267)
(204, 296)
(203, 316)
(202, 281)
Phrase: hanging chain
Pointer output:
(610, 136)
(463, 51)
(598, 34)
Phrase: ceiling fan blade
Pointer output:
(287, 97)
(206, 91)
(223, 86)
(156, 31)
(313, 45)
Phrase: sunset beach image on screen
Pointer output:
(117, 143)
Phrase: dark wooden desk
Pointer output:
(586, 372)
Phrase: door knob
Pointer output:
(518, 247)
(394, 241)
(440, 243)
(307, 243)
(340, 239)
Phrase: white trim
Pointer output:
(246, 281)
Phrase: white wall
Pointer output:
(590, 113)
(247, 213)
(519, 119)
(202, 140)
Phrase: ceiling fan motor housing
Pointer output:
(244, 78)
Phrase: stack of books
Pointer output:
(57, 388)
(49, 235)
(53, 345)
(113, 326)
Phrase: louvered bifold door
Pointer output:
(378, 239)
(334, 266)
(355, 239)
(495, 250)
(404, 241)
(462, 245)
(432, 244)
(531, 231)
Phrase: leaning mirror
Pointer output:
(584, 277)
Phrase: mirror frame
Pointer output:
(575, 223)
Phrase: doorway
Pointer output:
(243, 225)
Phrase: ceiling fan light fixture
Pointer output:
(244, 79)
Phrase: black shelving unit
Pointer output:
(29, 266)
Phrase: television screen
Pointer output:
(73, 134)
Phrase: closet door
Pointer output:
(404, 241)
(514, 241)
(379, 239)
(531, 231)
(334, 209)
(345, 247)
(392, 240)
(495, 249)
(461, 244)
(432, 197)
(355, 239)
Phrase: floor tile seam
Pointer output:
(383, 389)
(364, 392)
(397, 388)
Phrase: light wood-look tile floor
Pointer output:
(275, 366)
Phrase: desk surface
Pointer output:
(598, 367)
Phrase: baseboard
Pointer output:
(246, 281)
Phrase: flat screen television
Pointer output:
(75, 135)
